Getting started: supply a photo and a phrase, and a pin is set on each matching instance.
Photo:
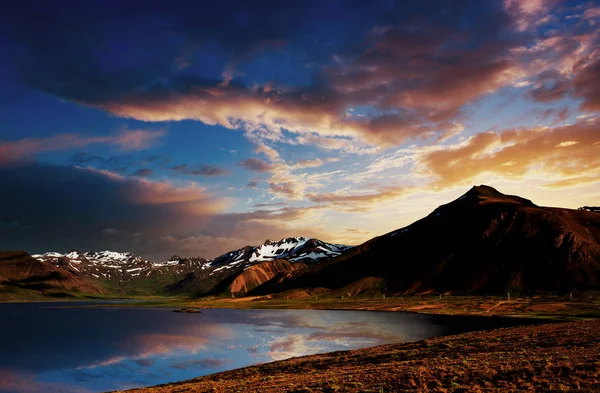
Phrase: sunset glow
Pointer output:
(195, 128)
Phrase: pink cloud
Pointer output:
(126, 140)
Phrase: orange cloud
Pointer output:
(146, 192)
(143, 346)
(359, 202)
(571, 152)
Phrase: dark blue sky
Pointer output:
(195, 127)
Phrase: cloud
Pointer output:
(145, 362)
(199, 363)
(253, 183)
(54, 200)
(315, 163)
(286, 189)
(274, 204)
(144, 172)
(569, 154)
(68, 208)
(400, 73)
(556, 115)
(205, 170)
(22, 382)
(587, 84)
(257, 165)
(206, 246)
(357, 202)
(356, 231)
(125, 140)
(143, 346)
(528, 13)
(110, 231)
(292, 345)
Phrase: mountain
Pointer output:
(293, 249)
(483, 242)
(119, 266)
(591, 208)
(239, 271)
(22, 276)
(236, 272)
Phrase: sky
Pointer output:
(198, 127)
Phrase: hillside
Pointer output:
(483, 242)
(23, 277)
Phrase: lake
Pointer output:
(46, 347)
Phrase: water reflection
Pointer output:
(46, 349)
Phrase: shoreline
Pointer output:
(545, 357)
(447, 353)
(545, 307)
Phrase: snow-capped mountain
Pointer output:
(293, 249)
(595, 209)
(242, 270)
(119, 265)
(125, 266)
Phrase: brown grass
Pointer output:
(546, 306)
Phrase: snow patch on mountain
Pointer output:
(294, 249)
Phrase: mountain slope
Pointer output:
(123, 272)
(22, 276)
(483, 242)
(239, 271)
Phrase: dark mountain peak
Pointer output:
(486, 193)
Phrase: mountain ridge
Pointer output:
(235, 271)
(482, 242)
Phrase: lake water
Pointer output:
(47, 348)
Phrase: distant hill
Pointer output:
(483, 242)
(126, 274)
(23, 277)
